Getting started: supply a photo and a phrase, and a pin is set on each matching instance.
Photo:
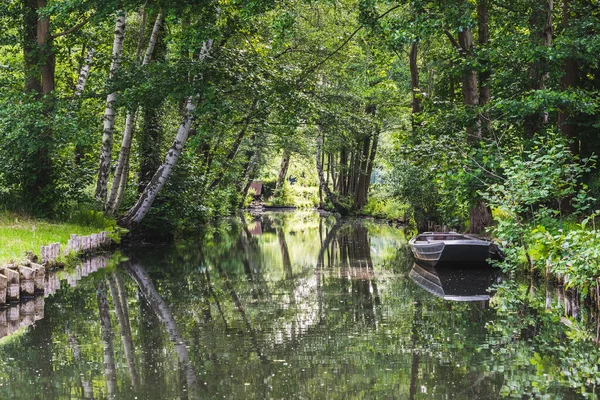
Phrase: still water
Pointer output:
(295, 305)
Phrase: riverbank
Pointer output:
(20, 235)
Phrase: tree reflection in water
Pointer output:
(294, 306)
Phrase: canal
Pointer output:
(297, 305)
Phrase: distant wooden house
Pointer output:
(257, 186)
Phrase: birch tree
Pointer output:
(120, 178)
(110, 112)
(139, 210)
(84, 73)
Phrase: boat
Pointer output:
(456, 284)
(430, 248)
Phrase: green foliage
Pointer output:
(529, 201)
(283, 196)
(93, 219)
(249, 198)
(415, 186)
(382, 205)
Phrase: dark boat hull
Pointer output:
(431, 249)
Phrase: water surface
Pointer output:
(294, 305)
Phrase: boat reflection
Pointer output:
(451, 282)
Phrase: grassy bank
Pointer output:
(20, 234)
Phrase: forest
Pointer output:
(473, 115)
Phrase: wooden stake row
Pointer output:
(75, 245)
(23, 289)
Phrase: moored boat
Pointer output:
(430, 248)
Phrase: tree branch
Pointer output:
(344, 43)
(73, 29)
(452, 39)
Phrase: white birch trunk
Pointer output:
(119, 181)
(122, 185)
(136, 213)
(153, 38)
(109, 113)
(84, 73)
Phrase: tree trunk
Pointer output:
(33, 73)
(139, 210)
(343, 171)
(122, 186)
(479, 214)
(47, 57)
(120, 181)
(371, 160)
(109, 112)
(541, 30)
(84, 73)
(350, 176)
(360, 191)
(331, 168)
(136, 213)
(38, 182)
(40, 60)
(251, 167)
(483, 39)
(484, 74)
(480, 217)
(469, 82)
(231, 155)
(569, 80)
(142, 35)
(285, 163)
(414, 81)
(150, 143)
(330, 196)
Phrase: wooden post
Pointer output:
(3, 289)
(73, 246)
(56, 250)
(44, 255)
(14, 287)
(40, 277)
(26, 277)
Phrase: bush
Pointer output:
(529, 213)
(381, 205)
(282, 197)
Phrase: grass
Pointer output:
(20, 234)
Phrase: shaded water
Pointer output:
(293, 305)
